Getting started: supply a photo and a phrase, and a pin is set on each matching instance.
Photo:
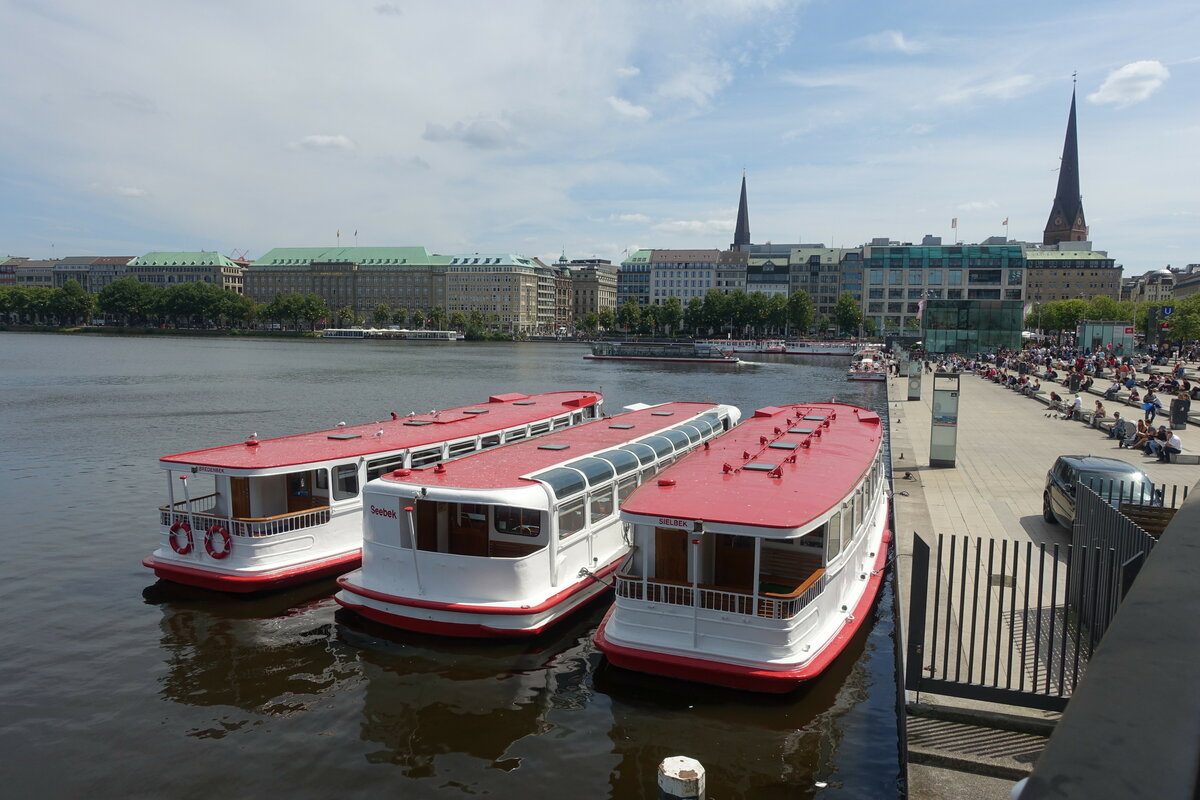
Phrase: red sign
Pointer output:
(1129, 331)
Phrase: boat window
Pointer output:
(539, 428)
(470, 516)
(517, 521)
(622, 460)
(644, 452)
(570, 517)
(601, 503)
(490, 440)
(565, 482)
(382, 466)
(423, 458)
(596, 470)
(576, 417)
(322, 479)
(515, 435)
(692, 432)
(345, 481)
(561, 422)
(833, 537)
(662, 447)
(462, 448)
(625, 487)
(858, 511)
(678, 437)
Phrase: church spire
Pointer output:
(1066, 222)
(741, 233)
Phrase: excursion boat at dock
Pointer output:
(802, 348)
(509, 542)
(703, 352)
(867, 366)
(275, 512)
(747, 345)
(757, 558)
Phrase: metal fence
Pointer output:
(999, 629)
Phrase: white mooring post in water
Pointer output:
(680, 778)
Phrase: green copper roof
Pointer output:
(371, 256)
(640, 257)
(203, 258)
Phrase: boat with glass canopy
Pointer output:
(702, 352)
(509, 542)
(267, 513)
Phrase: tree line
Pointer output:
(131, 302)
(1065, 315)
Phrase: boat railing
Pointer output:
(250, 527)
(200, 505)
(766, 604)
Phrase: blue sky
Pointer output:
(594, 127)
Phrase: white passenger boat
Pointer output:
(806, 348)
(747, 345)
(756, 559)
(273, 512)
(701, 352)
(506, 543)
(868, 365)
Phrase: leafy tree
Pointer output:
(458, 320)
(607, 319)
(847, 315)
(912, 323)
(343, 317)
(381, 315)
(71, 303)
(629, 315)
(800, 311)
(417, 318)
(437, 318)
(670, 314)
(650, 319)
(589, 322)
(693, 316)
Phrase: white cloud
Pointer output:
(628, 109)
(639, 218)
(698, 82)
(323, 142)
(628, 72)
(892, 42)
(919, 128)
(389, 9)
(116, 191)
(1131, 84)
(998, 89)
(696, 227)
(977, 205)
(482, 134)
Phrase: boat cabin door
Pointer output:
(733, 563)
(239, 491)
(670, 554)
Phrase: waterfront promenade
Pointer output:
(1006, 444)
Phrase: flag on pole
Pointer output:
(954, 222)
(1006, 221)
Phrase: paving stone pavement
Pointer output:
(1006, 444)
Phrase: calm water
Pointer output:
(114, 685)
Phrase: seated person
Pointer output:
(1173, 445)
(1134, 398)
(1117, 431)
(1111, 392)
(1141, 435)
(1155, 444)
(1055, 401)
(1097, 414)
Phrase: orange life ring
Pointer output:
(186, 547)
(226, 539)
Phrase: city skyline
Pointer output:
(539, 127)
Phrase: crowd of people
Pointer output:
(1076, 372)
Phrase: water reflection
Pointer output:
(268, 655)
(426, 697)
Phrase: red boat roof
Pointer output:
(499, 411)
(743, 477)
(503, 467)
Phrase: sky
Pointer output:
(590, 128)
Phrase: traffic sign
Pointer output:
(1168, 310)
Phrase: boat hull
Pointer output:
(867, 376)
(775, 678)
(252, 581)
(476, 621)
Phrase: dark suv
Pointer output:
(1106, 476)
